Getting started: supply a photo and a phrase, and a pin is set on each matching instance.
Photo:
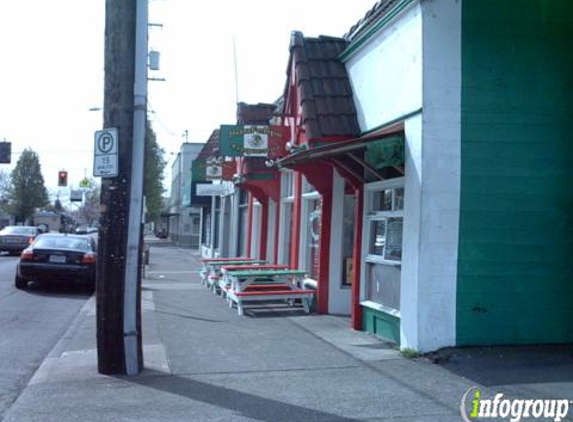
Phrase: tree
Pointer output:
(153, 182)
(5, 183)
(27, 191)
(91, 207)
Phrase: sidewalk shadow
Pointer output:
(246, 404)
(509, 365)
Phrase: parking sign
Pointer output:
(105, 153)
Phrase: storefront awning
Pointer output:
(370, 153)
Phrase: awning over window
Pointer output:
(355, 157)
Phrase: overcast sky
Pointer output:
(52, 69)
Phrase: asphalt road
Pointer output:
(31, 323)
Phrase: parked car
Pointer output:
(81, 230)
(14, 239)
(58, 257)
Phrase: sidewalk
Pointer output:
(205, 363)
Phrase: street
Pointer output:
(31, 322)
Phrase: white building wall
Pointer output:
(409, 294)
(386, 73)
(441, 169)
(339, 298)
(415, 64)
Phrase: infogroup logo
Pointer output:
(474, 408)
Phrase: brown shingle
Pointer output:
(255, 114)
(325, 93)
(211, 147)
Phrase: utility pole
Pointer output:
(118, 290)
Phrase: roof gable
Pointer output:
(325, 94)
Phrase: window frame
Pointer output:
(370, 216)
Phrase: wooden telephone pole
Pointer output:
(119, 247)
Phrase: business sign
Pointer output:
(209, 189)
(105, 153)
(85, 183)
(76, 195)
(204, 170)
(253, 141)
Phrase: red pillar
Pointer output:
(324, 252)
(249, 224)
(264, 229)
(356, 310)
(277, 226)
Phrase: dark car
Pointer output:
(14, 239)
(58, 257)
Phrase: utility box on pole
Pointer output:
(118, 287)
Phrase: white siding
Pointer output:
(386, 73)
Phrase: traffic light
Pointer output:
(63, 178)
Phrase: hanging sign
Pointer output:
(253, 141)
(208, 189)
(204, 170)
(387, 152)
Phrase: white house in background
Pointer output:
(184, 218)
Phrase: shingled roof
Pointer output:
(380, 9)
(255, 114)
(325, 93)
(211, 148)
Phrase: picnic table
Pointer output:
(275, 284)
(211, 271)
(225, 282)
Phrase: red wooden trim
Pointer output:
(324, 251)
(264, 230)
(356, 309)
(296, 221)
(250, 223)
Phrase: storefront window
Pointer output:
(243, 223)
(383, 285)
(286, 236)
(206, 236)
(287, 203)
(313, 237)
(384, 225)
(348, 239)
(217, 217)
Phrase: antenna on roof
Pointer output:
(236, 72)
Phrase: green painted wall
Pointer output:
(383, 325)
(515, 268)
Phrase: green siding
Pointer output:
(381, 324)
(515, 267)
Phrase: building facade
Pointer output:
(184, 222)
(411, 191)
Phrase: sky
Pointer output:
(51, 71)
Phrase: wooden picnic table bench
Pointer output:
(225, 282)
(211, 271)
(243, 287)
